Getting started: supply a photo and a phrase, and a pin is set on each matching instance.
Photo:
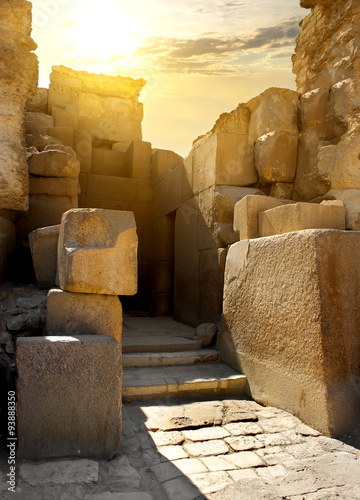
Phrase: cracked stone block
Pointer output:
(69, 397)
(83, 314)
(97, 252)
(54, 163)
(43, 246)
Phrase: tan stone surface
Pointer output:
(64, 134)
(235, 122)
(108, 106)
(7, 244)
(19, 74)
(39, 101)
(83, 314)
(313, 110)
(226, 198)
(40, 118)
(53, 186)
(351, 201)
(246, 214)
(212, 266)
(274, 110)
(299, 216)
(223, 159)
(108, 162)
(98, 252)
(83, 149)
(138, 160)
(66, 117)
(310, 369)
(82, 417)
(163, 160)
(282, 190)
(54, 164)
(43, 246)
(276, 157)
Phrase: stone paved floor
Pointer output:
(233, 449)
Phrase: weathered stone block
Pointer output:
(212, 267)
(97, 252)
(299, 216)
(274, 112)
(70, 314)
(297, 344)
(246, 214)
(68, 117)
(107, 187)
(54, 164)
(276, 157)
(313, 106)
(7, 244)
(83, 149)
(108, 162)
(282, 190)
(43, 246)
(38, 102)
(53, 186)
(138, 160)
(351, 201)
(64, 134)
(69, 396)
(226, 198)
(223, 159)
(163, 160)
(40, 118)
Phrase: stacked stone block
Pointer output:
(74, 408)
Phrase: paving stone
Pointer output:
(272, 472)
(181, 488)
(305, 450)
(189, 466)
(274, 458)
(207, 448)
(217, 463)
(61, 472)
(211, 481)
(161, 438)
(166, 471)
(120, 472)
(242, 475)
(279, 439)
(206, 434)
(243, 443)
(243, 428)
(172, 452)
(270, 412)
(279, 424)
(245, 459)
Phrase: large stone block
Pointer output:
(39, 101)
(226, 198)
(138, 160)
(97, 252)
(276, 157)
(313, 107)
(67, 117)
(223, 159)
(291, 324)
(7, 244)
(162, 161)
(299, 216)
(53, 186)
(246, 214)
(107, 187)
(54, 164)
(351, 200)
(40, 118)
(108, 162)
(70, 314)
(276, 110)
(212, 267)
(69, 397)
(43, 246)
(83, 149)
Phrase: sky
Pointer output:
(200, 58)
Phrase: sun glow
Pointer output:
(100, 36)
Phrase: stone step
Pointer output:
(146, 359)
(200, 380)
(145, 343)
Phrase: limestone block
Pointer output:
(299, 216)
(121, 146)
(60, 147)
(70, 314)
(307, 366)
(39, 101)
(43, 211)
(313, 108)
(351, 201)
(69, 396)
(83, 149)
(187, 179)
(34, 128)
(108, 162)
(68, 117)
(223, 159)
(275, 112)
(168, 192)
(97, 252)
(138, 160)
(7, 245)
(39, 141)
(212, 267)
(163, 234)
(235, 122)
(282, 190)
(225, 234)
(206, 334)
(43, 246)
(226, 197)
(64, 134)
(246, 214)
(276, 157)
(163, 160)
(40, 118)
(54, 164)
(187, 265)
(107, 187)
(53, 186)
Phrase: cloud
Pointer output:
(216, 53)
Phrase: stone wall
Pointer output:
(18, 80)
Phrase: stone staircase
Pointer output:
(162, 359)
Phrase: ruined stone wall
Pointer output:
(18, 81)
(327, 68)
